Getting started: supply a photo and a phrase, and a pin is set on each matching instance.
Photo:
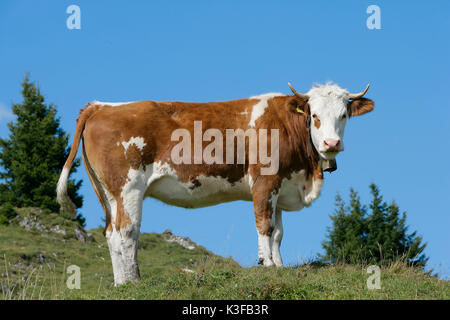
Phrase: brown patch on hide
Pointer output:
(316, 122)
(134, 157)
(195, 184)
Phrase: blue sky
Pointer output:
(221, 50)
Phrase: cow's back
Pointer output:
(137, 137)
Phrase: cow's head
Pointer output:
(328, 107)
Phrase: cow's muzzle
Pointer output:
(332, 146)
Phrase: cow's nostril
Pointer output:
(331, 144)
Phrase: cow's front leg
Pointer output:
(265, 196)
(264, 250)
(277, 236)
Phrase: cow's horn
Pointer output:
(300, 95)
(354, 96)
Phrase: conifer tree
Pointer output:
(347, 238)
(387, 236)
(379, 236)
(32, 158)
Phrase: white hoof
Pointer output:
(268, 263)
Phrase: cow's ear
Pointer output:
(360, 106)
(298, 106)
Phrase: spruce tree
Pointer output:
(32, 158)
(346, 241)
(388, 237)
(380, 236)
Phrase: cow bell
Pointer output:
(329, 165)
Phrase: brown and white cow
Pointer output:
(129, 149)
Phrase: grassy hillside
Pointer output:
(37, 248)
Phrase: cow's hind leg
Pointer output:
(123, 218)
(123, 239)
(113, 238)
(277, 236)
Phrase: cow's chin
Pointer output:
(328, 155)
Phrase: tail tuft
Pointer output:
(67, 206)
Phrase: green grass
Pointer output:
(162, 264)
(303, 282)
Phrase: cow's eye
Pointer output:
(315, 116)
(344, 117)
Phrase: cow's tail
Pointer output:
(67, 206)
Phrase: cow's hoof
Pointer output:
(265, 262)
(268, 263)
(278, 262)
(122, 282)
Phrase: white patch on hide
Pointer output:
(298, 192)
(313, 191)
(137, 141)
(111, 104)
(250, 181)
(258, 108)
(164, 185)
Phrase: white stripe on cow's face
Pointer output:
(258, 108)
(328, 105)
